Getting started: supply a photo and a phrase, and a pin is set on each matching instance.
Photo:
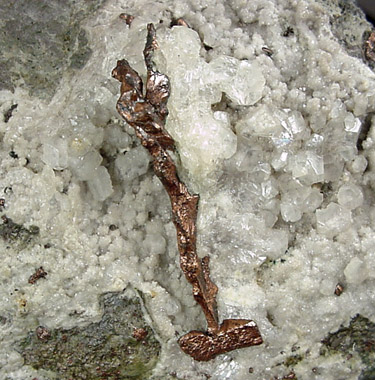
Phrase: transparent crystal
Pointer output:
(100, 185)
(350, 196)
(55, 153)
(333, 220)
(356, 271)
(307, 166)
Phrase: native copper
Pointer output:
(146, 111)
(339, 289)
(127, 18)
(39, 273)
(370, 47)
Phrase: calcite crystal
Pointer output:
(198, 85)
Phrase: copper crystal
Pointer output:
(370, 47)
(147, 113)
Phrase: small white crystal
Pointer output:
(280, 160)
(222, 116)
(85, 167)
(333, 167)
(133, 164)
(352, 124)
(312, 201)
(55, 153)
(155, 244)
(307, 166)
(117, 137)
(101, 185)
(356, 271)
(209, 35)
(350, 196)
(315, 141)
(358, 165)
(295, 123)
(242, 81)
(297, 200)
(269, 189)
(333, 220)
(290, 212)
(260, 121)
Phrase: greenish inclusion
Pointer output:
(103, 350)
(16, 234)
(358, 337)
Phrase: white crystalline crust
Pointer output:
(269, 142)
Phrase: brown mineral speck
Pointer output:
(290, 376)
(39, 273)
(42, 333)
(339, 289)
(139, 334)
(370, 47)
(180, 21)
(267, 50)
(127, 18)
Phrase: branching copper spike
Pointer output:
(147, 113)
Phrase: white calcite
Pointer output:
(350, 196)
(133, 164)
(333, 219)
(356, 271)
(286, 206)
(241, 81)
(204, 138)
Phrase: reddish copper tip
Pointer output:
(233, 334)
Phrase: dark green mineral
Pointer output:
(359, 338)
(119, 347)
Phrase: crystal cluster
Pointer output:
(204, 137)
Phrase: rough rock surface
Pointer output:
(272, 111)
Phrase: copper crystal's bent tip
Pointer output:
(147, 113)
(233, 334)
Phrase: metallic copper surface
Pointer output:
(339, 289)
(127, 18)
(370, 47)
(267, 50)
(181, 22)
(146, 113)
(39, 273)
(233, 334)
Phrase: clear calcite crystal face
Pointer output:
(204, 138)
